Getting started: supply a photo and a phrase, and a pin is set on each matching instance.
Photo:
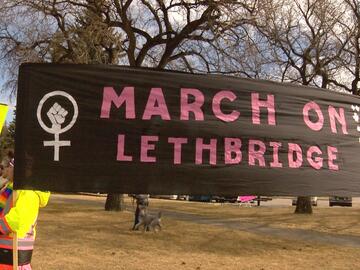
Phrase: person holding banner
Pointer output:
(142, 201)
(18, 220)
(3, 181)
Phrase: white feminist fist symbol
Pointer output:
(57, 116)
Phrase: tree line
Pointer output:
(310, 42)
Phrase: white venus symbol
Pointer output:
(57, 115)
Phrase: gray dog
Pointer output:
(150, 222)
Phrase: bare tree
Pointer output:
(350, 60)
(307, 41)
(191, 35)
(82, 38)
(305, 38)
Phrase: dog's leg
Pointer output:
(157, 228)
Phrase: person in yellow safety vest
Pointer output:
(20, 218)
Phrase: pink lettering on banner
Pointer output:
(275, 163)
(269, 104)
(230, 117)
(256, 154)
(232, 146)
(178, 142)
(295, 149)
(340, 117)
(156, 105)
(126, 96)
(315, 162)
(121, 149)
(147, 146)
(194, 107)
(200, 147)
(332, 157)
(316, 108)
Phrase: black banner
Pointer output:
(103, 128)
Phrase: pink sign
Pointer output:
(246, 198)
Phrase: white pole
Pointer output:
(15, 240)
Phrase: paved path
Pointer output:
(283, 233)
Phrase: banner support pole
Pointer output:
(15, 240)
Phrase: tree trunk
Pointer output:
(115, 202)
(303, 205)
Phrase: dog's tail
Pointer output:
(159, 215)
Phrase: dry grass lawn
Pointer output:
(86, 237)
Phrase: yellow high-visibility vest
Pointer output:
(21, 218)
(3, 113)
